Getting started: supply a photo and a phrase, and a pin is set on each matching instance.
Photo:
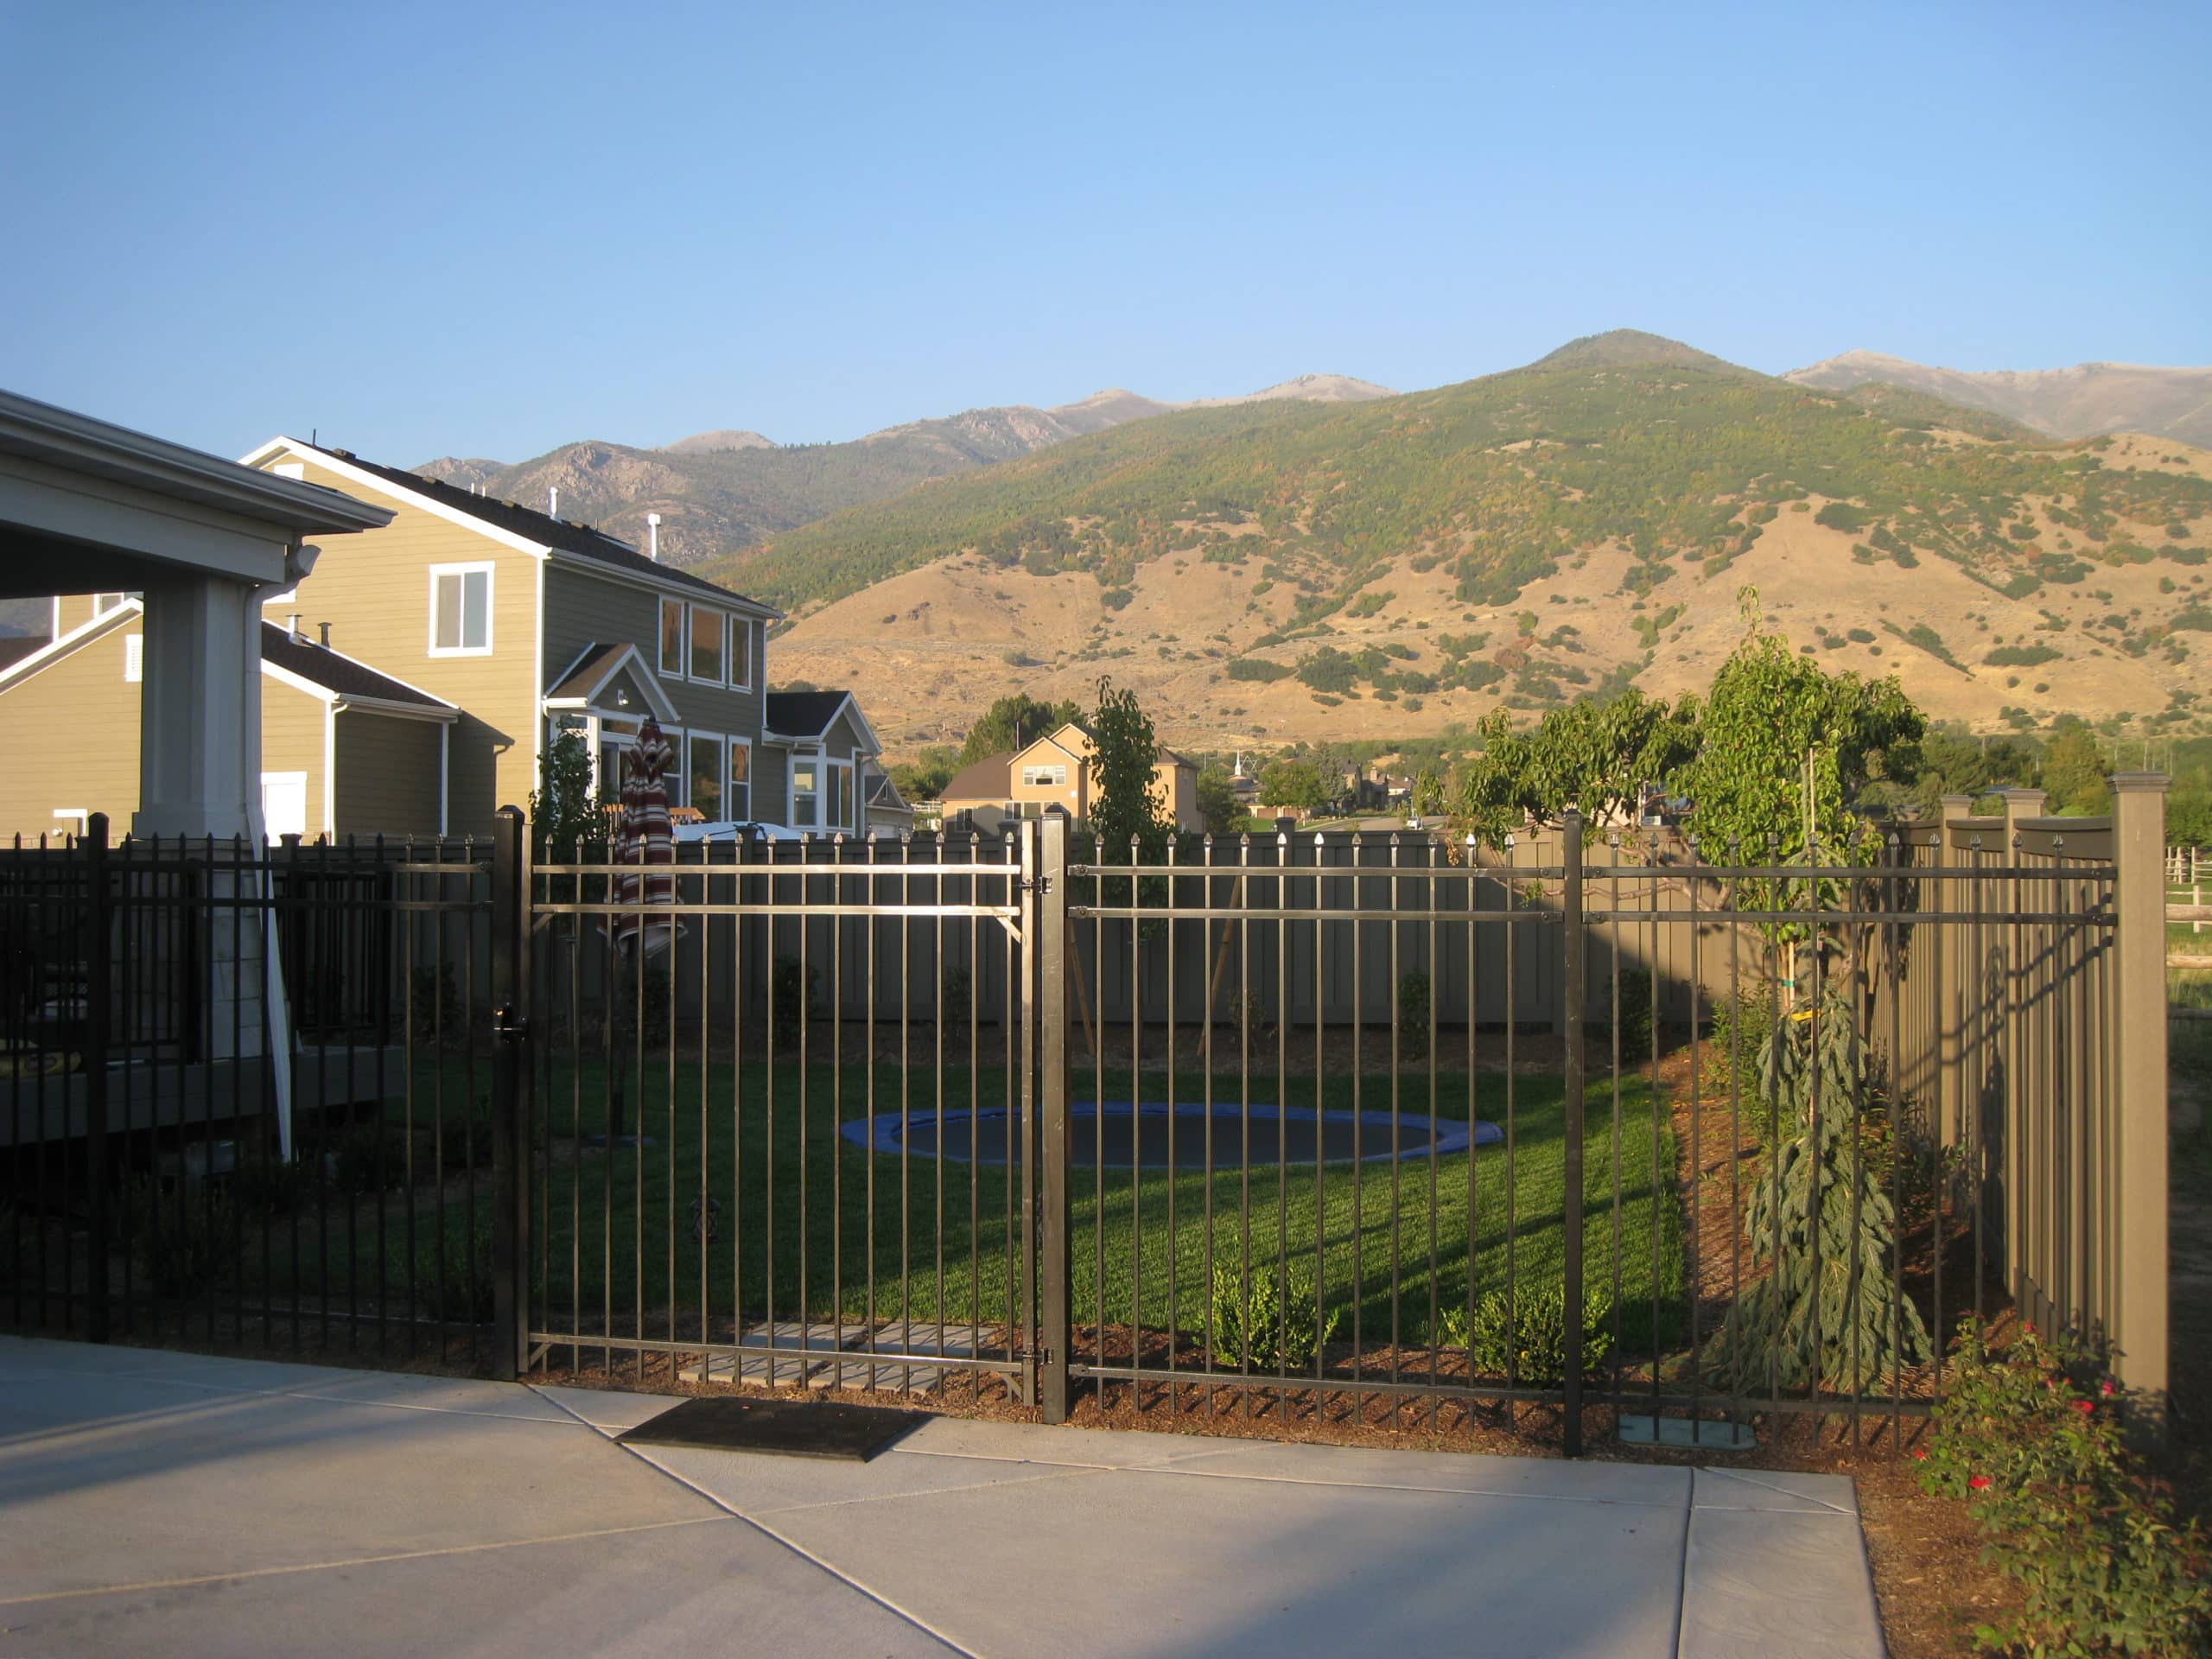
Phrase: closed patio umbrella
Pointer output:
(645, 844)
(644, 856)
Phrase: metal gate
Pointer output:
(783, 1125)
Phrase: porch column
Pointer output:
(200, 711)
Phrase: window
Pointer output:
(705, 754)
(840, 797)
(1043, 777)
(671, 636)
(290, 469)
(707, 644)
(739, 797)
(740, 653)
(461, 610)
(134, 658)
(103, 603)
(806, 794)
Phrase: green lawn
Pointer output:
(799, 1214)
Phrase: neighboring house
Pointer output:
(884, 811)
(531, 626)
(469, 631)
(1059, 773)
(324, 716)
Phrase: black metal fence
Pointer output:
(1597, 1130)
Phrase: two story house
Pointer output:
(510, 626)
(1059, 773)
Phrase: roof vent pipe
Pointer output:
(652, 536)
(553, 510)
(325, 627)
(294, 625)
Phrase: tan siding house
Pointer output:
(1059, 773)
(344, 748)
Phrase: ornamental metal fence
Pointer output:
(1599, 1130)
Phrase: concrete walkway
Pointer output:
(178, 1504)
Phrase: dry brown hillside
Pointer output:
(928, 649)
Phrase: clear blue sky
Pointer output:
(453, 229)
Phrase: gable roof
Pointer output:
(344, 676)
(519, 522)
(980, 781)
(810, 713)
(882, 793)
(580, 683)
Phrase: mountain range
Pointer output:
(1402, 565)
(719, 491)
(2083, 402)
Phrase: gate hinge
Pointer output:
(1037, 884)
(509, 1025)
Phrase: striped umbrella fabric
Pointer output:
(644, 845)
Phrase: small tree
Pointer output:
(1217, 802)
(1295, 784)
(1594, 755)
(1125, 751)
(565, 822)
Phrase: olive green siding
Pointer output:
(374, 589)
(73, 740)
(387, 774)
(583, 609)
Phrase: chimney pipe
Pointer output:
(293, 625)
(553, 510)
(652, 536)
(325, 627)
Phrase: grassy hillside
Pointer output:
(1682, 463)
(1390, 570)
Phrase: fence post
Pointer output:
(1953, 964)
(511, 1100)
(1571, 995)
(1050, 1029)
(98, 989)
(2139, 826)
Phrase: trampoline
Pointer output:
(1138, 1136)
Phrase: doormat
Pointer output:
(791, 1428)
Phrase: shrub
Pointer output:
(1414, 1006)
(2021, 657)
(1251, 1328)
(1829, 1308)
(2030, 1437)
(1838, 515)
(462, 1292)
(181, 1238)
(956, 1002)
(1524, 1337)
(1255, 668)
(791, 986)
(435, 1013)
(364, 1158)
(1632, 1014)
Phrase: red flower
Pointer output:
(1920, 1454)
(2105, 1388)
(2085, 1406)
(1979, 1482)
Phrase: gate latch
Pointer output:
(507, 1024)
(1037, 884)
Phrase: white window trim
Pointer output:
(739, 627)
(851, 826)
(792, 764)
(690, 622)
(490, 570)
(1029, 781)
(81, 815)
(721, 750)
(729, 778)
(674, 670)
(134, 659)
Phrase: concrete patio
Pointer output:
(177, 1503)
